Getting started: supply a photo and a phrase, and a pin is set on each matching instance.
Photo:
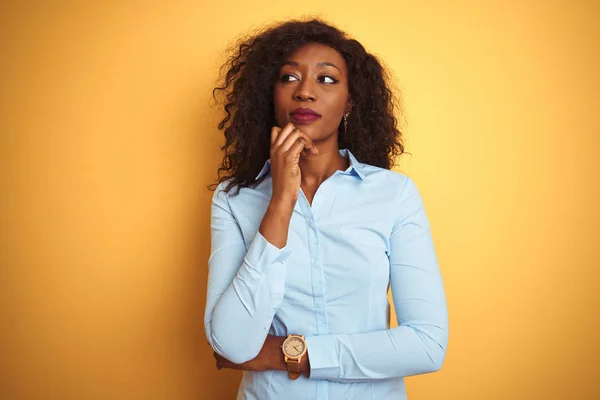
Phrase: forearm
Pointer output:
(275, 224)
(239, 317)
(418, 344)
(397, 352)
(270, 358)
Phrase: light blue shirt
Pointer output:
(365, 230)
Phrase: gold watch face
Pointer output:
(293, 346)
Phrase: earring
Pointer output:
(346, 121)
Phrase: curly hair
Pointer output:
(246, 90)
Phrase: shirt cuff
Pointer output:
(263, 262)
(261, 254)
(323, 356)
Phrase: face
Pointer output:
(312, 91)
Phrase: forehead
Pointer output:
(312, 53)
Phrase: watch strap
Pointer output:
(293, 367)
(293, 364)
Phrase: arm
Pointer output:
(245, 287)
(418, 344)
(270, 357)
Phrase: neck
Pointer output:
(317, 168)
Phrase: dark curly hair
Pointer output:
(246, 88)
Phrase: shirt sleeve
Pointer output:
(245, 285)
(418, 344)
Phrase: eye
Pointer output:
(287, 78)
(328, 79)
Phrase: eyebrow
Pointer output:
(320, 64)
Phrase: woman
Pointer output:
(310, 227)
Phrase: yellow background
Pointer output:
(108, 141)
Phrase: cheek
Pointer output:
(278, 104)
(338, 98)
(278, 95)
(337, 104)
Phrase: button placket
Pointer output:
(318, 287)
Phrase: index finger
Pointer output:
(274, 133)
(308, 143)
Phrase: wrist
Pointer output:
(295, 355)
(280, 362)
(276, 358)
(282, 206)
(305, 365)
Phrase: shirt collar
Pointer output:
(354, 168)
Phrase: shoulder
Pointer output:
(389, 178)
(223, 185)
(221, 195)
(399, 188)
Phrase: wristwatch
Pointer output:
(294, 348)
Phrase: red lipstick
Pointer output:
(304, 115)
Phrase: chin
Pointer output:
(317, 136)
(312, 131)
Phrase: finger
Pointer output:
(222, 362)
(285, 131)
(290, 140)
(298, 147)
(312, 147)
(274, 134)
(309, 145)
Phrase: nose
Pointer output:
(305, 91)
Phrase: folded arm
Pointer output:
(245, 286)
(418, 344)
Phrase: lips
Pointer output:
(304, 115)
